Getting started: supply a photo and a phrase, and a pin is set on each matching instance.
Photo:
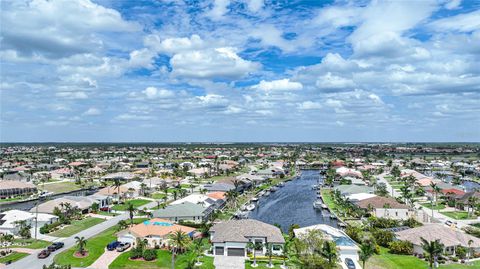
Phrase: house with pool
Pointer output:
(230, 238)
(155, 231)
(347, 248)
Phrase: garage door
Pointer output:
(218, 250)
(236, 252)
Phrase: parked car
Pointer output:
(113, 245)
(349, 263)
(448, 223)
(55, 246)
(43, 254)
(122, 247)
(105, 208)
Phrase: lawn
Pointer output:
(61, 187)
(137, 203)
(77, 226)
(264, 264)
(30, 243)
(458, 215)
(163, 261)
(328, 200)
(435, 207)
(392, 261)
(95, 245)
(158, 195)
(14, 256)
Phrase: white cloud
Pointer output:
(463, 22)
(72, 95)
(171, 46)
(309, 105)
(330, 81)
(255, 5)
(278, 85)
(154, 93)
(92, 112)
(212, 63)
(219, 9)
(453, 4)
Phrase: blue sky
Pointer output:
(252, 70)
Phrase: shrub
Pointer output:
(149, 254)
(382, 223)
(401, 247)
(383, 238)
(411, 222)
(461, 252)
(455, 259)
(136, 253)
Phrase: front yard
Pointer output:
(14, 256)
(435, 207)
(29, 243)
(458, 215)
(95, 246)
(137, 203)
(163, 261)
(76, 226)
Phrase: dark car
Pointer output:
(105, 208)
(55, 246)
(43, 254)
(113, 245)
(349, 263)
(122, 247)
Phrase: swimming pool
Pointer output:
(157, 223)
(344, 241)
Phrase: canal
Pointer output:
(293, 204)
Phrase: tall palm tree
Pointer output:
(269, 252)
(117, 184)
(329, 251)
(470, 250)
(254, 246)
(366, 251)
(472, 202)
(131, 211)
(433, 248)
(178, 242)
(81, 244)
(143, 187)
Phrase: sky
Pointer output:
(239, 71)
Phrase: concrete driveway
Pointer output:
(105, 260)
(229, 262)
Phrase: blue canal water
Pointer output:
(293, 204)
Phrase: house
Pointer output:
(200, 199)
(11, 188)
(216, 187)
(185, 211)
(155, 231)
(385, 207)
(360, 196)
(9, 219)
(122, 176)
(450, 238)
(230, 238)
(463, 200)
(84, 203)
(346, 190)
(347, 248)
(344, 171)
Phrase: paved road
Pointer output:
(32, 262)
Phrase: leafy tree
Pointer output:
(329, 251)
(95, 207)
(292, 227)
(23, 229)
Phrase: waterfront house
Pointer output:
(230, 238)
(385, 207)
(216, 187)
(347, 248)
(450, 238)
(185, 211)
(12, 188)
(206, 201)
(84, 203)
(154, 231)
(346, 190)
(9, 219)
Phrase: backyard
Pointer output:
(61, 187)
(77, 226)
(137, 203)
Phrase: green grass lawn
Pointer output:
(458, 215)
(158, 195)
(77, 226)
(435, 207)
(13, 199)
(30, 243)
(328, 200)
(137, 203)
(163, 261)
(95, 246)
(392, 261)
(61, 187)
(14, 256)
(264, 264)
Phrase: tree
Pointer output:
(95, 207)
(178, 242)
(470, 249)
(292, 227)
(143, 188)
(122, 224)
(254, 246)
(433, 249)
(329, 251)
(366, 251)
(131, 211)
(269, 252)
(81, 244)
(23, 229)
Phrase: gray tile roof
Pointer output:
(186, 209)
(241, 230)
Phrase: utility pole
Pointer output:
(36, 219)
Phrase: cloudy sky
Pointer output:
(251, 70)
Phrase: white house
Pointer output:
(9, 219)
(385, 207)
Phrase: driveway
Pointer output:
(105, 260)
(229, 262)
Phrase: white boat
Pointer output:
(250, 207)
(324, 206)
(314, 187)
(243, 207)
(317, 204)
(254, 200)
(267, 193)
(273, 189)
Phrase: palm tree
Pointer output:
(178, 241)
(254, 246)
(386, 206)
(269, 250)
(131, 211)
(329, 251)
(472, 201)
(433, 248)
(470, 250)
(117, 184)
(366, 251)
(81, 244)
(143, 187)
